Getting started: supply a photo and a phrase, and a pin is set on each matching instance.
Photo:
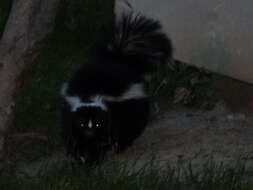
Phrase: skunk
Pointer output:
(106, 105)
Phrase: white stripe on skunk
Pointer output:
(135, 91)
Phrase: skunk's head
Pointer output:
(91, 133)
(91, 124)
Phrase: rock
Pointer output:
(175, 137)
(28, 24)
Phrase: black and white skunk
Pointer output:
(106, 102)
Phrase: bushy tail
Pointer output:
(138, 42)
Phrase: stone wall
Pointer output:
(214, 34)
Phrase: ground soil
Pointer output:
(183, 135)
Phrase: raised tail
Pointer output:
(138, 42)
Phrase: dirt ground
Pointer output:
(183, 135)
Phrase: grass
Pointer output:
(114, 176)
(183, 84)
(37, 111)
(5, 6)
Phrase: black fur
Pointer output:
(131, 48)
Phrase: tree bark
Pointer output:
(28, 24)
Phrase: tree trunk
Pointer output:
(28, 24)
